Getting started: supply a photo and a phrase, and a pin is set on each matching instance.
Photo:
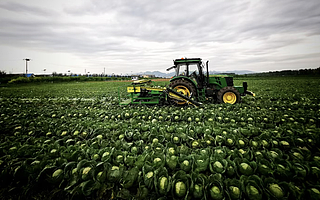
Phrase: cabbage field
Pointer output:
(73, 141)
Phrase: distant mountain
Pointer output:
(157, 73)
(161, 74)
(239, 72)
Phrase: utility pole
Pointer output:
(27, 60)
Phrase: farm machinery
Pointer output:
(189, 85)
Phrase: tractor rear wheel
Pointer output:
(228, 95)
(183, 87)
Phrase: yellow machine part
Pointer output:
(229, 97)
(141, 81)
(182, 101)
(132, 89)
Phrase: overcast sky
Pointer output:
(133, 36)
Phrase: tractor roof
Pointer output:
(187, 60)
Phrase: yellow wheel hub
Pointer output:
(182, 90)
(229, 97)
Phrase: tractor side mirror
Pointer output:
(171, 68)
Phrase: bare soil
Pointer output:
(155, 80)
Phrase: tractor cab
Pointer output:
(191, 68)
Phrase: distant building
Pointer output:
(42, 74)
(22, 74)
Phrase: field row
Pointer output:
(82, 146)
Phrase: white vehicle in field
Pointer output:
(134, 78)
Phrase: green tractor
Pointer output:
(190, 85)
(190, 80)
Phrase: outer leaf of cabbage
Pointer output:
(252, 185)
(198, 184)
(88, 187)
(114, 173)
(201, 163)
(172, 162)
(180, 184)
(142, 192)
(130, 177)
(233, 188)
(57, 175)
(314, 193)
(215, 186)
(148, 176)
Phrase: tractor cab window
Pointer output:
(189, 70)
(181, 70)
(193, 68)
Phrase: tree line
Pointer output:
(300, 72)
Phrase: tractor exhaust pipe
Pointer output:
(245, 87)
(207, 65)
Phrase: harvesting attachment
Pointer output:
(145, 92)
(190, 85)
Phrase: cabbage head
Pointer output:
(245, 169)
(218, 164)
(185, 165)
(180, 189)
(253, 191)
(197, 192)
(163, 184)
(216, 193)
(276, 190)
(234, 192)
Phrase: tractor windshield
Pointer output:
(186, 69)
(181, 70)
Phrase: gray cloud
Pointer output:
(229, 32)
(26, 9)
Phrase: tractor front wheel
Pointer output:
(183, 87)
(228, 95)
